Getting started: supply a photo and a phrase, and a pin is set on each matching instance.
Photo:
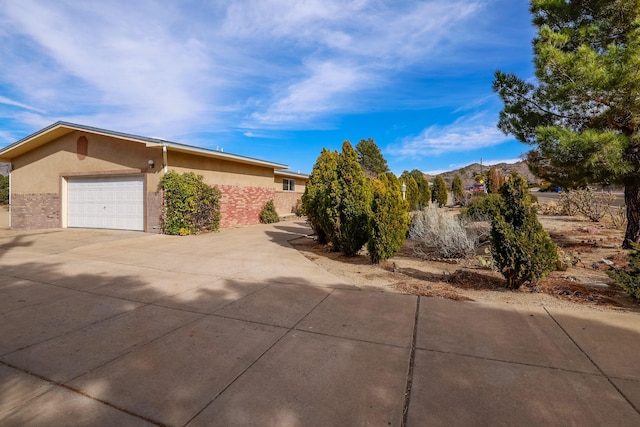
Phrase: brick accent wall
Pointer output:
(35, 211)
(242, 205)
(154, 212)
(285, 202)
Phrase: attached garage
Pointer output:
(70, 175)
(114, 202)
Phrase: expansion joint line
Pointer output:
(290, 329)
(593, 362)
(412, 358)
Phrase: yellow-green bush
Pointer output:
(191, 206)
(268, 214)
(389, 221)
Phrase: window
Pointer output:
(288, 184)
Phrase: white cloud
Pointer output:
(322, 91)
(465, 134)
(167, 68)
(11, 102)
(113, 58)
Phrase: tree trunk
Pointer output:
(632, 200)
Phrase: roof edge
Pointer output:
(158, 142)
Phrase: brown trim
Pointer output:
(103, 173)
(145, 196)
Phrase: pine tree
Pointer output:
(389, 222)
(439, 193)
(582, 113)
(370, 158)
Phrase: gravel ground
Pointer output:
(583, 286)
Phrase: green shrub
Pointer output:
(483, 207)
(521, 248)
(629, 279)
(457, 189)
(268, 214)
(319, 201)
(353, 203)
(4, 190)
(298, 209)
(439, 194)
(424, 190)
(389, 221)
(191, 206)
(412, 193)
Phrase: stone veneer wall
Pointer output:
(242, 205)
(34, 211)
(154, 212)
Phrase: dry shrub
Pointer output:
(434, 228)
(618, 217)
(550, 208)
(588, 203)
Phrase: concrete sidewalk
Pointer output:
(237, 328)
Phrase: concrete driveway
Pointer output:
(236, 328)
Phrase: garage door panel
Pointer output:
(106, 202)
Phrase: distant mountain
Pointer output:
(4, 168)
(467, 173)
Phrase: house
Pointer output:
(70, 175)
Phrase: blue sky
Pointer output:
(272, 79)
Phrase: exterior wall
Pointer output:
(154, 212)
(37, 176)
(38, 179)
(242, 205)
(245, 188)
(40, 170)
(285, 201)
(34, 211)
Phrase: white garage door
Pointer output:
(115, 202)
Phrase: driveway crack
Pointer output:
(412, 358)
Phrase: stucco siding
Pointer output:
(300, 183)
(285, 202)
(40, 170)
(218, 172)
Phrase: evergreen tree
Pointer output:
(412, 194)
(439, 193)
(354, 203)
(370, 158)
(424, 191)
(320, 198)
(389, 222)
(494, 181)
(521, 248)
(583, 113)
(457, 189)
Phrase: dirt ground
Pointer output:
(590, 247)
